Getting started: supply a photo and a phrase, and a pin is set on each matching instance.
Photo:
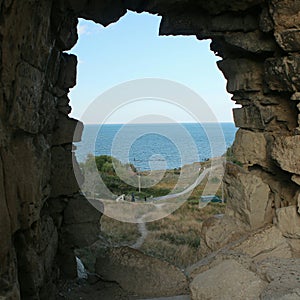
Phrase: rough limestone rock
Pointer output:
(286, 152)
(289, 221)
(244, 117)
(242, 75)
(65, 174)
(229, 281)
(267, 242)
(285, 15)
(68, 130)
(220, 230)
(215, 258)
(140, 274)
(67, 72)
(258, 42)
(284, 277)
(250, 148)
(81, 222)
(248, 250)
(248, 197)
(296, 179)
(282, 74)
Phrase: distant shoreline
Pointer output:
(169, 123)
(164, 145)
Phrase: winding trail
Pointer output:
(190, 188)
(142, 227)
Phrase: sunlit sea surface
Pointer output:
(157, 146)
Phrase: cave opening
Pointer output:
(43, 215)
(128, 50)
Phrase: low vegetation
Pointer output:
(175, 238)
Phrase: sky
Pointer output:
(131, 49)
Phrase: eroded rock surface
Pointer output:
(140, 274)
(258, 42)
(228, 280)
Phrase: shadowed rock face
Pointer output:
(259, 42)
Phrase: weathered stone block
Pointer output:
(63, 106)
(265, 21)
(80, 210)
(80, 235)
(265, 243)
(53, 66)
(285, 15)
(242, 74)
(248, 117)
(104, 12)
(27, 174)
(296, 179)
(27, 98)
(67, 72)
(283, 74)
(184, 25)
(288, 221)
(289, 40)
(247, 197)
(81, 226)
(219, 231)
(232, 22)
(228, 280)
(67, 35)
(204, 26)
(141, 274)
(284, 277)
(286, 18)
(31, 271)
(68, 130)
(286, 152)
(254, 42)
(250, 148)
(65, 174)
(47, 113)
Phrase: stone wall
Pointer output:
(40, 204)
(259, 43)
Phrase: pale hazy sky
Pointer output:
(131, 49)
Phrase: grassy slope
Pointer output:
(175, 238)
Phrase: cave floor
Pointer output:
(85, 290)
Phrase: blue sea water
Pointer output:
(157, 146)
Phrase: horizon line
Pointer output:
(159, 123)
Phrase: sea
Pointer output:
(157, 146)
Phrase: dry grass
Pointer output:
(119, 233)
(175, 239)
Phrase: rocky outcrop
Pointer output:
(260, 264)
(283, 276)
(140, 274)
(228, 280)
(37, 180)
(255, 210)
(258, 42)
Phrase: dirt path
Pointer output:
(142, 227)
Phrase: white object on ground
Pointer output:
(81, 272)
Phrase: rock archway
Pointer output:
(39, 196)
